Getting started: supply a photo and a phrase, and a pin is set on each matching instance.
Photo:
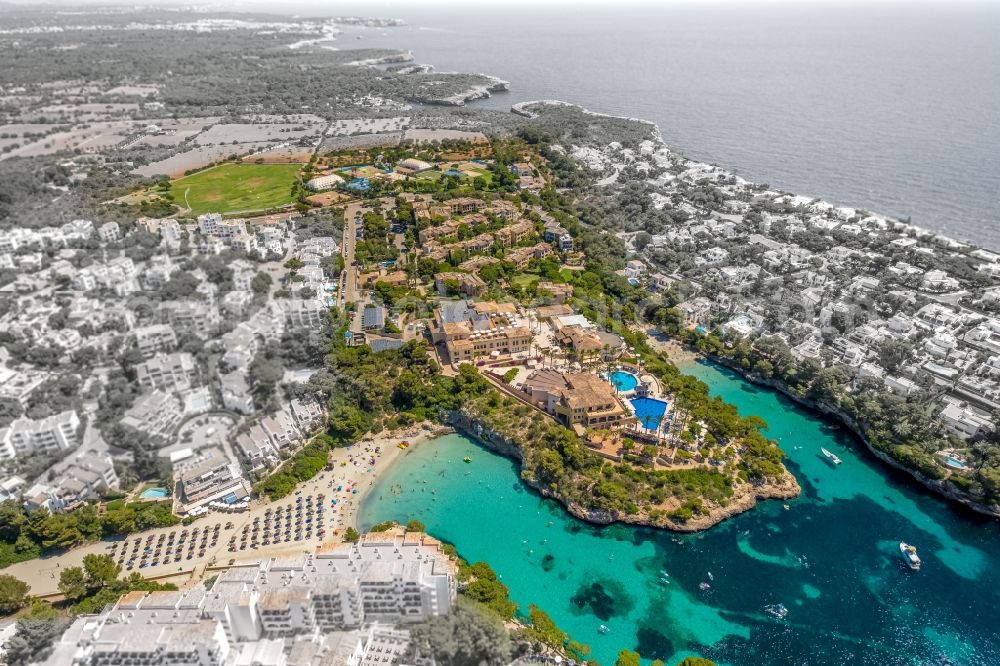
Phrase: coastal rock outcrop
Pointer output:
(483, 87)
(745, 497)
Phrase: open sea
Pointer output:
(893, 107)
(832, 558)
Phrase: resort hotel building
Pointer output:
(476, 330)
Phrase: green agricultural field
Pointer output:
(232, 188)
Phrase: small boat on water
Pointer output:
(703, 586)
(467, 459)
(828, 454)
(603, 629)
(910, 556)
(710, 576)
(777, 610)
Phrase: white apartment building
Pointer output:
(154, 339)
(27, 436)
(257, 449)
(16, 386)
(236, 393)
(300, 312)
(109, 232)
(170, 372)
(237, 303)
(213, 224)
(280, 429)
(155, 413)
(201, 319)
(157, 272)
(308, 610)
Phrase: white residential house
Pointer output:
(307, 413)
(743, 325)
(246, 243)
(713, 256)
(281, 429)
(937, 280)
(963, 420)
(934, 315)
(901, 385)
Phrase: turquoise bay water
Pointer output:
(832, 558)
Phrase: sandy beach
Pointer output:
(390, 454)
(354, 470)
(675, 352)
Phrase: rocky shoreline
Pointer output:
(745, 495)
(483, 90)
(937, 485)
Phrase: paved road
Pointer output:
(349, 291)
(349, 283)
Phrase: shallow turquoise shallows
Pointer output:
(832, 558)
(624, 381)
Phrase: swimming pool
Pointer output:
(155, 493)
(649, 411)
(624, 381)
(954, 463)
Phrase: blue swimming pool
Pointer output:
(954, 462)
(649, 411)
(623, 381)
(155, 493)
